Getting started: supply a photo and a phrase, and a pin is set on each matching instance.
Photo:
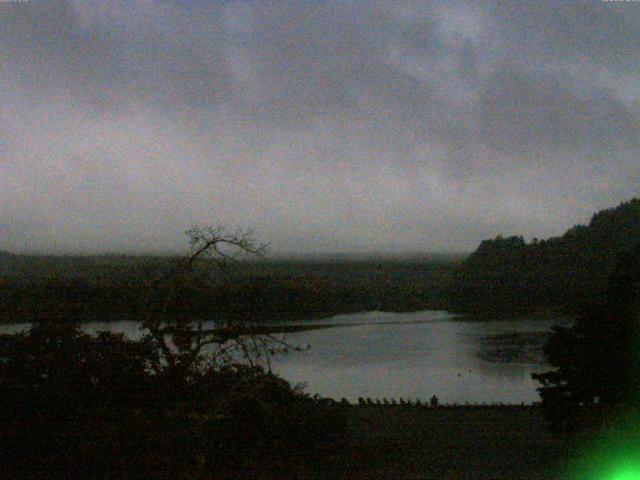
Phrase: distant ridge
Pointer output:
(371, 256)
(447, 257)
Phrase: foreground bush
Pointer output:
(79, 406)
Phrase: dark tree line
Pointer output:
(110, 287)
(564, 273)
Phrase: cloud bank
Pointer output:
(322, 125)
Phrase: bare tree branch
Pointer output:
(179, 341)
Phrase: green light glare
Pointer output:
(614, 467)
(631, 473)
(614, 454)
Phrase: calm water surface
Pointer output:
(409, 355)
(416, 355)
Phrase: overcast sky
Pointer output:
(322, 125)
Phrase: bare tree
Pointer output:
(179, 339)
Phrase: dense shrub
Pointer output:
(79, 406)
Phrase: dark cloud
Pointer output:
(384, 125)
(536, 113)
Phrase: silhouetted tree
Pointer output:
(181, 339)
(597, 358)
(74, 405)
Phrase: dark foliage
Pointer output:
(110, 287)
(79, 406)
(567, 273)
(597, 360)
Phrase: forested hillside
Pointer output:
(504, 275)
(113, 287)
(562, 273)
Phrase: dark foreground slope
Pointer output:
(562, 273)
(448, 443)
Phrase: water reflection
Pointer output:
(418, 355)
(409, 355)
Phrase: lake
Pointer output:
(407, 355)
